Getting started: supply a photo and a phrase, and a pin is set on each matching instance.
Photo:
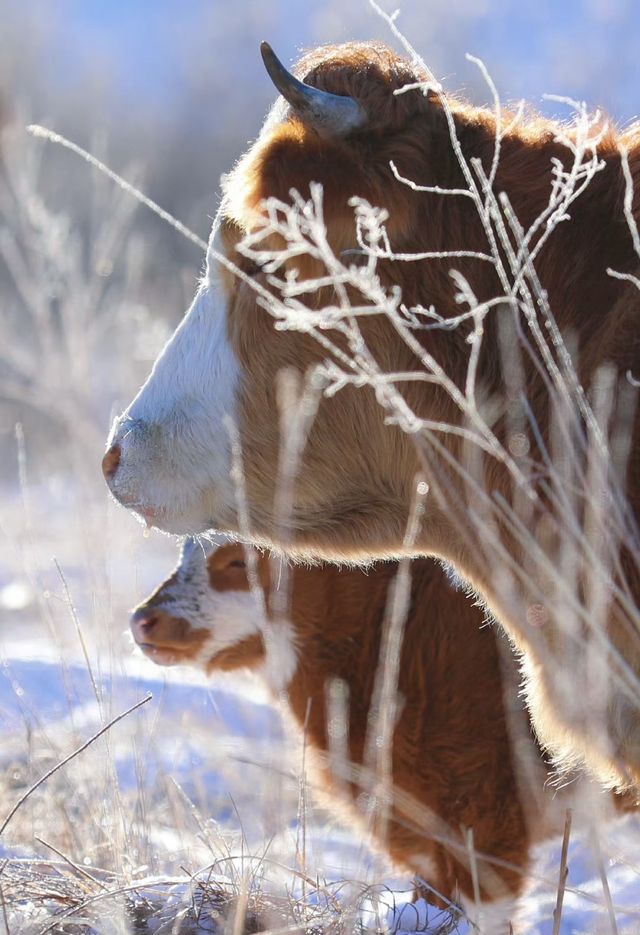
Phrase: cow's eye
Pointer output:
(237, 563)
(246, 264)
(251, 268)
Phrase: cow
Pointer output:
(464, 758)
(513, 427)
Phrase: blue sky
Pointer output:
(151, 49)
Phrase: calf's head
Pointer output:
(204, 614)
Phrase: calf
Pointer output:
(463, 756)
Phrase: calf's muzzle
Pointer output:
(166, 639)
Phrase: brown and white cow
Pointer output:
(463, 755)
(555, 552)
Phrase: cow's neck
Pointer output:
(594, 237)
(596, 315)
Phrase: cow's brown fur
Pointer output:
(463, 756)
(353, 492)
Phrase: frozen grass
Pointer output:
(165, 805)
(67, 899)
(197, 797)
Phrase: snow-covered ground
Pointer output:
(222, 749)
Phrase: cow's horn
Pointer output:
(329, 114)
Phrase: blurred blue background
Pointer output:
(190, 69)
(165, 53)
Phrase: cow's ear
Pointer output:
(330, 115)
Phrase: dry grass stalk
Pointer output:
(563, 874)
(70, 757)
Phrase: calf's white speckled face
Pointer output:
(205, 615)
(204, 608)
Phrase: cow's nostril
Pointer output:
(146, 623)
(142, 625)
(111, 461)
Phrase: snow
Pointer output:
(223, 745)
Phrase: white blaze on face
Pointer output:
(174, 438)
(229, 616)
